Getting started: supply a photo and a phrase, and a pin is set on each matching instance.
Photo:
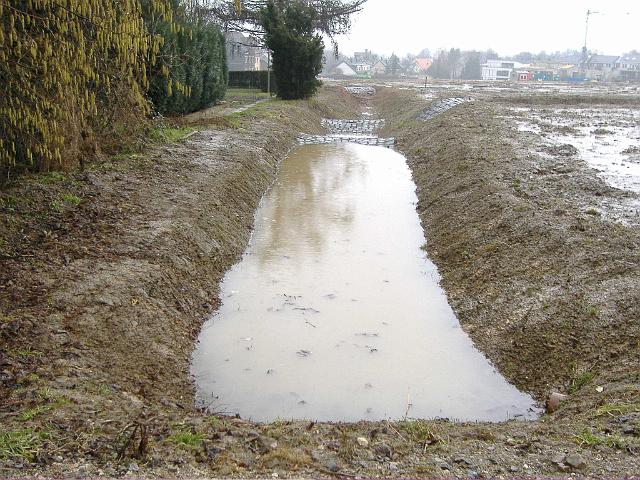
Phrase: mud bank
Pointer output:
(107, 276)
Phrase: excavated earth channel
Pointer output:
(329, 316)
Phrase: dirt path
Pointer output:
(107, 275)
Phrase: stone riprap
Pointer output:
(349, 131)
(439, 106)
(359, 127)
(360, 90)
(360, 139)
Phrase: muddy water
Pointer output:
(335, 313)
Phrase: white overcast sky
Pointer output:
(508, 27)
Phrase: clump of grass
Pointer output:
(618, 409)
(71, 198)
(580, 380)
(593, 311)
(591, 440)
(165, 134)
(292, 458)
(422, 432)
(54, 403)
(52, 177)
(24, 443)
(517, 184)
(187, 439)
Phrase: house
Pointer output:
(362, 68)
(500, 69)
(524, 75)
(345, 70)
(422, 65)
(379, 68)
(244, 53)
(628, 68)
(600, 67)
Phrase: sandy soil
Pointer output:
(107, 276)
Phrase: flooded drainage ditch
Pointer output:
(335, 313)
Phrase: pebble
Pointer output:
(265, 444)
(461, 459)
(331, 465)
(558, 458)
(363, 442)
(576, 461)
(554, 401)
(393, 466)
(384, 450)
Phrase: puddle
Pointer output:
(335, 313)
(608, 140)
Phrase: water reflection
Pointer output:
(335, 313)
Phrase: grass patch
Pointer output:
(52, 177)
(164, 134)
(23, 443)
(618, 409)
(589, 439)
(291, 458)
(187, 440)
(245, 93)
(46, 394)
(422, 432)
(593, 311)
(28, 353)
(580, 380)
(71, 198)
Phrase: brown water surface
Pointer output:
(335, 312)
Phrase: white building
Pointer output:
(500, 69)
(343, 68)
(362, 67)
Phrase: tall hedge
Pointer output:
(191, 72)
(58, 59)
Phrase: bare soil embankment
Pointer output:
(107, 276)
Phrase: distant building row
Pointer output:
(379, 68)
(596, 67)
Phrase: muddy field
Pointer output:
(108, 274)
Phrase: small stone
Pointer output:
(575, 461)
(445, 466)
(265, 444)
(558, 458)
(514, 469)
(473, 474)
(133, 467)
(363, 442)
(384, 450)
(393, 466)
(331, 465)
(554, 401)
(461, 459)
